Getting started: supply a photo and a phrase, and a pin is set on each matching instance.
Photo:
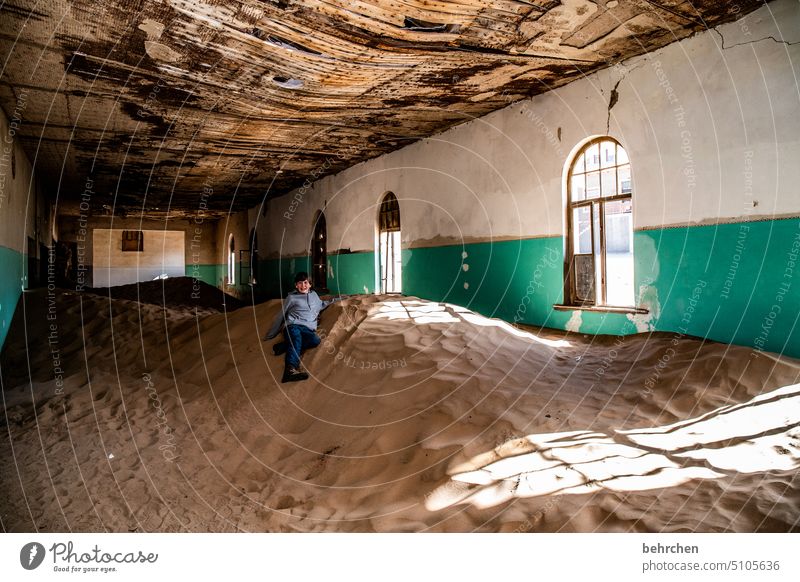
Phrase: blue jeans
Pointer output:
(298, 338)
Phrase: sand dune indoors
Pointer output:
(418, 416)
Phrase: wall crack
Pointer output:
(614, 96)
(612, 100)
(770, 37)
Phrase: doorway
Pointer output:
(389, 258)
(319, 254)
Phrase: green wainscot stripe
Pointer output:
(275, 277)
(12, 264)
(491, 278)
(215, 275)
(222, 271)
(204, 273)
(518, 281)
(737, 283)
(351, 273)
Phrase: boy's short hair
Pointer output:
(301, 276)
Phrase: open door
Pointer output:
(389, 258)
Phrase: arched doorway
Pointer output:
(599, 266)
(231, 260)
(253, 256)
(319, 254)
(389, 259)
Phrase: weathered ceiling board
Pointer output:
(159, 101)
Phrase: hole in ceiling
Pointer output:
(287, 83)
(289, 45)
(283, 43)
(418, 25)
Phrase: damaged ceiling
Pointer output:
(164, 103)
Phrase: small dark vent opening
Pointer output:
(418, 25)
(282, 42)
(287, 83)
(132, 241)
(287, 44)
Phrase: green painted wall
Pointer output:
(517, 280)
(12, 264)
(352, 273)
(732, 282)
(497, 276)
(205, 273)
(215, 275)
(736, 283)
(219, 276)
(276, 276)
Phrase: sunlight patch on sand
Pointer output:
(760, 435)
(426, 312)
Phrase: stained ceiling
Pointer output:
(159, 104)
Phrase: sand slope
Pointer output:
(419, 416)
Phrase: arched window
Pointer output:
(389, 259)
(231, 260)
(253, 256)
(599, 266)
(319, 254)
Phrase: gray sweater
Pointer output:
(299, 309)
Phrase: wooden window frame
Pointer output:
(388, 222)
(319, 253)
(571, 297)
(231, 274)
(133, 241)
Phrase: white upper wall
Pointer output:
(19, 195)
(163, 252)
(708, 131)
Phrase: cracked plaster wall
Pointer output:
(712, 134)
(24, 214)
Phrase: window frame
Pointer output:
(571, 296)
(133, 238)
(231, 260)
(318, 252)
(388, 224)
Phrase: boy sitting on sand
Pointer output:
(300, 312)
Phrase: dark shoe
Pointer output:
(279, 348)
(294, 375)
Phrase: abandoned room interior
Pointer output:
(563, 236)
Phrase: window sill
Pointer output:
(600, 308)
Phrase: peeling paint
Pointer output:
(574, 323)
(161, 52)
(648, 299)
(152, 28)
(253, 88)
